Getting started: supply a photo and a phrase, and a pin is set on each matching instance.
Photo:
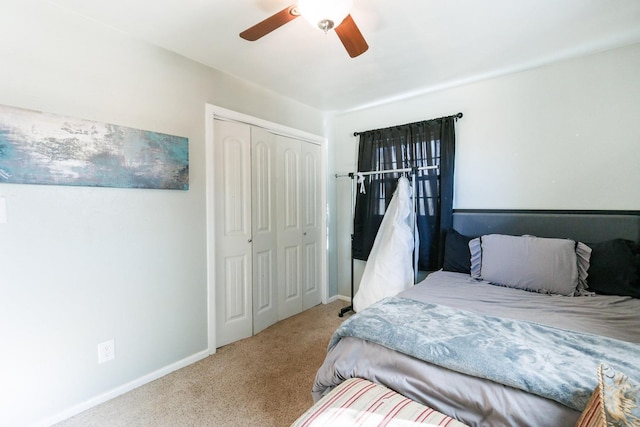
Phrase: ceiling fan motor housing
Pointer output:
(325, 14)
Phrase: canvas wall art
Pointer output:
(43, 148)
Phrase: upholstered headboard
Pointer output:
(584, 226)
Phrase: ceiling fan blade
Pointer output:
(351, 37)
(271, 23)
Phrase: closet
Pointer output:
(267, 228)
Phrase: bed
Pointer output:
(490, 353)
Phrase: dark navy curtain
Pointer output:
(426, 143)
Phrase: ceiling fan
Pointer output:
(324, 14)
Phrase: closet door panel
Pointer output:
(236, 221)
(312, 232)
(232, 145)
(311, 282)
(291, 187)
(292, 276)
(264, 287)
(236, 271)
(288, 164)
(263, 156)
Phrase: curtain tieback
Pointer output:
(360, 182)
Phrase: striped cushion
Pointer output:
(593, 414)
(358, 402)
(614, 402)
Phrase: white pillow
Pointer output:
(545, 265)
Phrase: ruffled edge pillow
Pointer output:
(537, 264)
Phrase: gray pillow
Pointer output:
(545, 265)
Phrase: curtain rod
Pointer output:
(455, 116)
(380, 172)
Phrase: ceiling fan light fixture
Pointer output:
(324, 14)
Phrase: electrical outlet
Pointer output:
(106, 351)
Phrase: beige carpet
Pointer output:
(261, 381)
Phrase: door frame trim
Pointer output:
(215, 112)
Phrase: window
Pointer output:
(414, 145)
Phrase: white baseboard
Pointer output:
(340, 297)
(97, 400)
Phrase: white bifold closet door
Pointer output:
(298, 195)
(233, 264)
(267, 220)
(263, 219)
(311, 225)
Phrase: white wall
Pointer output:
(562, 136)
(81, 265)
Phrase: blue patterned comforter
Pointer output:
(553, 363)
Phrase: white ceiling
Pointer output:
(415, 46)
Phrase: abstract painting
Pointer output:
(43, 148)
